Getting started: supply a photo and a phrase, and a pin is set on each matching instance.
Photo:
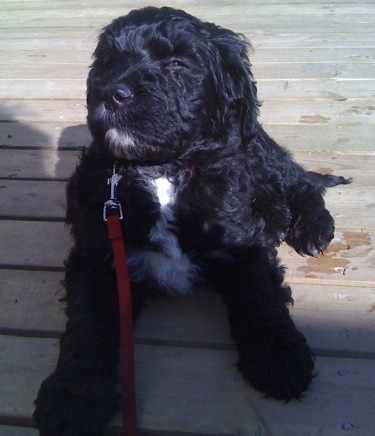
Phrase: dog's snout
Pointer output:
(116, 96)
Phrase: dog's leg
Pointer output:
(79, 396)
(312, 227)
(273, 355)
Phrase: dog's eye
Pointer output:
(175, 64)
(107, 61)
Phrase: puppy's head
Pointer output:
(163, 83)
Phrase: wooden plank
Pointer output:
(307, 41)
(306, 417)
(47, 200)
(71, 10)
(56, 89)
(349, 257)
(314, 136)
(310, 418)
(53, 136)
(335, 139)
(343, 205)
(275, 88)
(313, 54)
(292, 112)
(38, 164)
(317, 70)
(80, 26)
(335, 319)
(47, 55)
(56, 44)
(174, 384)
(259, 24)
(30, 303)
(69, 111)
(303, 3)
(318, 112)
(38, 199)
(229, 411)
(19, 240)
(59, 165)
(41, 200)
(262, 70)
(17, 431)
(259, 40)
(318, 138)
(45, 72)
(272, 88)
(18, 371)
(333, 89)
(346, 7)
(360, 168)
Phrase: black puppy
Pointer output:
(207, 197)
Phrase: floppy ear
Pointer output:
(234, 88)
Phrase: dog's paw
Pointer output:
(311, 234)
(71, 408)
(283, 369)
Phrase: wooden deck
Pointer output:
(315, 66)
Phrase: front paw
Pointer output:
(311, 234)
(67, 406)
(282, 368)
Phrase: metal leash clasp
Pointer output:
(113, 206)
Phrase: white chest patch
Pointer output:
(164, 190)
(164, 263)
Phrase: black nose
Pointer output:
(116, 96)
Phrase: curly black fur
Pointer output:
(172, 98)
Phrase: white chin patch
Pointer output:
(121, 143)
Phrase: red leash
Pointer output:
(113, 215)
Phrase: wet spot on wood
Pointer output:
(327, 264)
(336, 97)
(342, 141)
(314, 119)
(358, 110)
(358, 243)
(335, 259)
(324, 170)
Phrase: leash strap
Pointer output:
(129, 415)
